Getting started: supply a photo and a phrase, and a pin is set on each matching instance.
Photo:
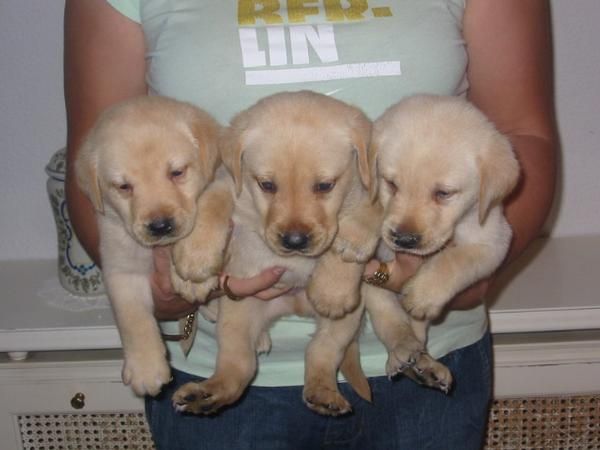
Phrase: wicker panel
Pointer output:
(110, 431)
(545, 423)
(540, 423)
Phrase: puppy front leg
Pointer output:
(446, 274)
(200, 255)
(404, 340)
(334, 286)
(239, 328)
(324, 355)
(145, 367)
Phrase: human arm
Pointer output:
(104, 63)
(510, 78)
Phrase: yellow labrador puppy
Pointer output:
(444, 171)
(144, 166)
(301, 179)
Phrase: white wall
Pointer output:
(577, 68)
(32, 120)
(32, 123)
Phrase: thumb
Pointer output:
(161, 257)
(249, 286)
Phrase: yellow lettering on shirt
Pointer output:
(336, 13)
(270, 12)
(383, 11)
(298, 10)
(249, 11)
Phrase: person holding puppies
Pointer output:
(223, 57)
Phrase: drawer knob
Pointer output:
(78, 401)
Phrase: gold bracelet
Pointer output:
(379, 277)
(188, 327)
(228, 292)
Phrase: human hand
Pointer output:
(169, 306)
(403, 267)
(259, 286)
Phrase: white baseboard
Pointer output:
(546, 368)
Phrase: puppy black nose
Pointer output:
(161, 227)
(406, 240)
(295, 240)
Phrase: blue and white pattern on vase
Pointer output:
(77, 273)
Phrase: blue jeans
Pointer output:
(403, 415)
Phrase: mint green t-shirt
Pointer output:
(225, 55)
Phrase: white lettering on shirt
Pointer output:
(335, 72)
(272, 36)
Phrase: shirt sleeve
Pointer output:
(129, 8)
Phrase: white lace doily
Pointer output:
(55, 295)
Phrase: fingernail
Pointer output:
(278, 270)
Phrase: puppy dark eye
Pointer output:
(267, 186)
(392, 186)
(125, 188)
(324, 187)
(441, 194)
(177, 173)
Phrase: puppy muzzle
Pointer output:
(405, 240)
(161, 227)
(295, 241)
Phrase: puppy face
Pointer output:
(147, 161)
(439, 160)
(299, 155)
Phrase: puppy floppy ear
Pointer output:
(86, 173)
(231, 149)
(499, 173)
(372, 161)
(205, 134)
(361, 140)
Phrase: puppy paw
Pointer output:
(325, 401)
(205, 397)
(353, 250)
(192, 291)
(334, 305)
(197, 262)
(402, 357)
(264, 343)
(334, 287)
(419, 303)
(426, 371)
(359, 232)
(146, 372)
